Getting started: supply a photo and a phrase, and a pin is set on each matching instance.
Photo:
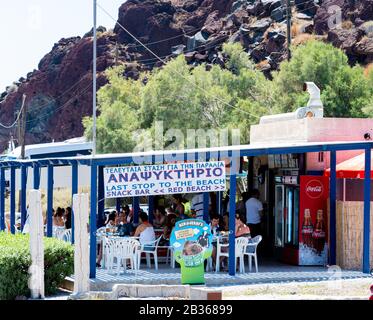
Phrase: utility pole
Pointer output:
(116, 60)
(22, 137)
(288, 30)
(94, 76)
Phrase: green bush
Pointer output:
(15, 260)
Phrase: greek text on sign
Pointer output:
(135, 181)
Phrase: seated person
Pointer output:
(145, 230)
(226, 221)
(241, 230)
(58, 222)
(178, 207)
(129, 216)
(68, 215)
(110, 221)
(124, 228)
(214, 224)
(159, 219)
(170, 224)
(121, 218)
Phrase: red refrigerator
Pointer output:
(300, 221)
(313, 237)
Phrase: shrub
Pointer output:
(15, 260)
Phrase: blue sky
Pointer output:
(29, 29)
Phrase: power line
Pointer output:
(288, 27)
(164, 40)
(62, 106)
(58, 97)
(160, 59)
(15, 122)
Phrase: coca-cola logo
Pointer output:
(314, 189)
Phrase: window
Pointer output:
(321, 156)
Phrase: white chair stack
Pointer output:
(121, 250)
(58, 232)
(108, 253)
(67, 235)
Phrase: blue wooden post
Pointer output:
(23, 195)
(366, 235)
(50, 202)
(117, 204)
(12, 199)
(93, 217)
(218, 202)
(232, 225)
(101, 197)
(151, 208)
(2, 199)
(332, 220)
(206, 198)
(74, 190)
(136, 209)
(36, 176)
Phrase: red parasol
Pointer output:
(352, 168)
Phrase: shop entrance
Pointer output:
(280, 194)
(286, 219)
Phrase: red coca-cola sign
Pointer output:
(314, 189)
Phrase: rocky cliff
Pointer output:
(59, 92)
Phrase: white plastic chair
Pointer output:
(209, 266)
(108, 253)
(171, 256)
(58, 232)
(149, 248)
(250, 251)
(126, 249)
(67, 235)
(240, 246)
(16, 230)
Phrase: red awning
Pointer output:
(352, 168)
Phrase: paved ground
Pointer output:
(272, 272)
(273, 281)
(347, 289)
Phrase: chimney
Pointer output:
(314, 92)
(313, 109)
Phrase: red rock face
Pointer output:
(59, 93)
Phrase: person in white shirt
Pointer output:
(254, 209)
(197, 205)
(214, 225)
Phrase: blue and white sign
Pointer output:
(135, 181)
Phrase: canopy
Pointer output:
(352, 168)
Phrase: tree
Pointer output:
(118, 105)
(344, 89)
(183, 98)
